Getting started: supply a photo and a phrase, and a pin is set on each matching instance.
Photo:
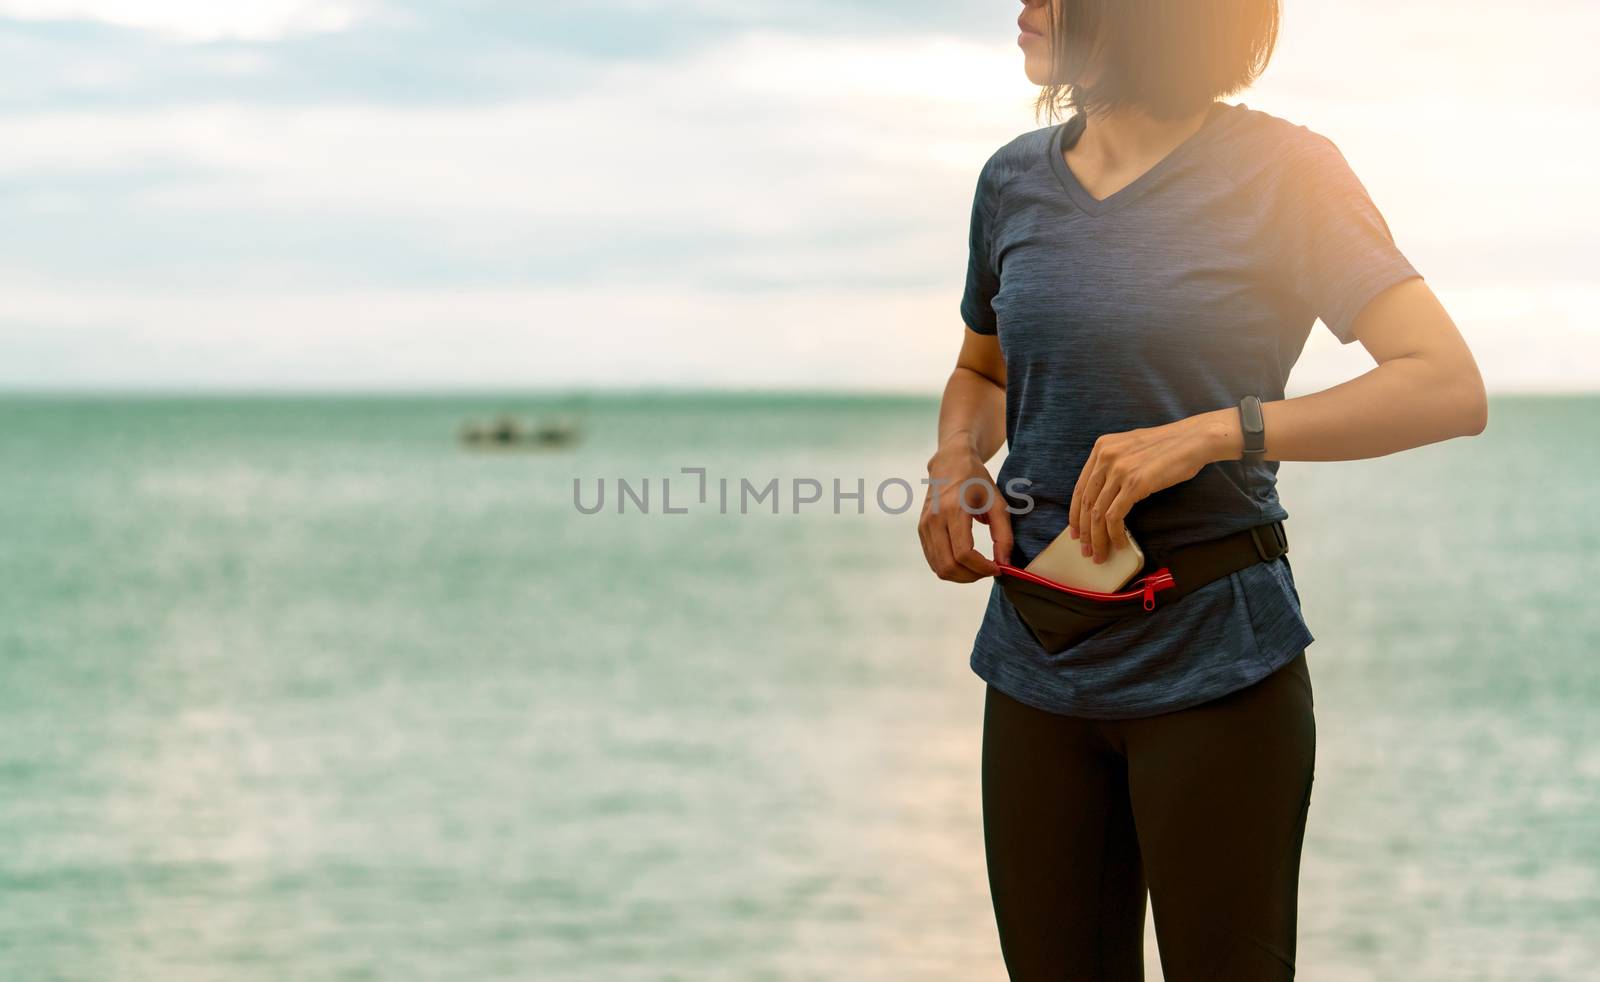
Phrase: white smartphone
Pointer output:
(1064, 562)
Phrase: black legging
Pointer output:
(1205, 806)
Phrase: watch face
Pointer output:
(1250, 413)
(1253, 424)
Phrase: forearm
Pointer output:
(972, 414)
(1403, 403)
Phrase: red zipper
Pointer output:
(1151, 584)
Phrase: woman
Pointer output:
(1134, 272)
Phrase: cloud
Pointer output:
(779, 207)
(738, 217)
(754, 163)
(199, 20)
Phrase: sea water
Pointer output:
(304, 688)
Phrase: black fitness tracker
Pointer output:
(1254, 427)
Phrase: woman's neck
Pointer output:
(1123, 136)
(1117, 146)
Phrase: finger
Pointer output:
(979, 565)
(962, 574)
(1097, 494)
(1100, 522)
(928, 554)
(962, 548)
(936, 544)
(1119, 515)
(1080, 493)
(958, 526)
(1099, 539)
(1091, 499)
(1075, 516)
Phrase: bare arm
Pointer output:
(973, 412)
(972, 428)
(1425, 389)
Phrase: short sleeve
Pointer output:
(1338, 248)
(983, 282)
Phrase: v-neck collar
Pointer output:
(1067, 134)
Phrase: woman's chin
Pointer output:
(1037, 68)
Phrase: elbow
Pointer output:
(1474, 412)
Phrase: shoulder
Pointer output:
(1020, 155)
(1259, 146)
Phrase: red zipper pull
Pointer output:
(1161, 579)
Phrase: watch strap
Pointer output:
(1252, 424)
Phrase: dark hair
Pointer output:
(1168, 58)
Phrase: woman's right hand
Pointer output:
(959, 490)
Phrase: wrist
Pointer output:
(1221, 434)
(959, 442)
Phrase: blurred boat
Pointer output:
(510, 432)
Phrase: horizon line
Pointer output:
(602, 391)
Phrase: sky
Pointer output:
(424, 194)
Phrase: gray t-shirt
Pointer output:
(1193, 286)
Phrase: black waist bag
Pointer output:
(1060, 616)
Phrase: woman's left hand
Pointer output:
(1125, 468)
